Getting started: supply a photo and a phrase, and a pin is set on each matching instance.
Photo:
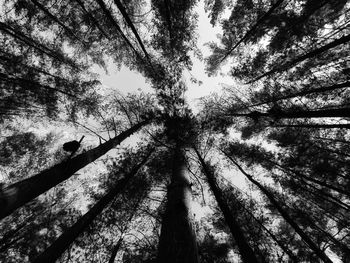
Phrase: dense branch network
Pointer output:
(270, 152)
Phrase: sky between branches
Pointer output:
(125, 80)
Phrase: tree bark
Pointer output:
(18, 194)
(52, 253)
(246, 252)
(177, 243)
(286, 216)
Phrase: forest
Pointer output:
(253, 170)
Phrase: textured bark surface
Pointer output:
(18, 194)
(177, 242)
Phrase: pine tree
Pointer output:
(288, 126)
(22, 192)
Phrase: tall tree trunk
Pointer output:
(327, 197)
(338, 217)
(283, 246)
(302, 177)
(36, 45)
(177, 243)
(330, 139)
(18, 194)
(310, 54)
(52, 253)
(330, 237)
(285, 215)
(345, 84)
(125, 228)
(57, 20)
(9, 60)
(131, 25)
(117, 27)
(280, 114)
(29, 84)
(246, 252)
(10, 234)
(251, 30)
(116, 249)
(169, 24)
(314, 126)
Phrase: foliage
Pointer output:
(273, 147)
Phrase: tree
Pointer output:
(17, 194)
(285, 215)
(177, 241)
(61, 244)
(245, 250)
(284, 119)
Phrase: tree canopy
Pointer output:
(257, 171)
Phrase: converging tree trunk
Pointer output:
(281, 114)
(246, 252)
(131, 25)
(20, 193)
(52, 253)
(177, 243)
(314, 126)
(110, 17)
(56, 19)
(125, 228)
(169, 24)
(310, 54)
(40, 47)
(30, 84)
(116, 249)
(283, 246)
(285, 215)
(304, 92)
(291, 173)
(252, 29)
